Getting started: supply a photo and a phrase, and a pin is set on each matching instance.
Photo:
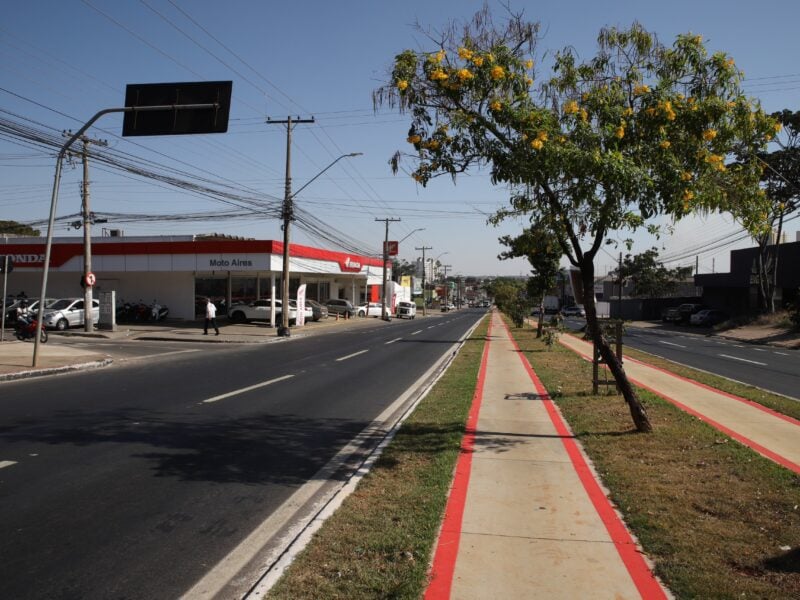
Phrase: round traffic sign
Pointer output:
(90, 279)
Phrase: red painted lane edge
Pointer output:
(640, 572)
(444, 559)
(781, 460)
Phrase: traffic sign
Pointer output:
(90, 279)
(391, 248)
(177, 121)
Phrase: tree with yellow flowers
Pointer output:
(639, 131)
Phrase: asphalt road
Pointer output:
(134, 481)
(768, 367)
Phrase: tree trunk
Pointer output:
(638, 413)
(540, 325)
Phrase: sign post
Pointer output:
(173, 101)
(6, 265)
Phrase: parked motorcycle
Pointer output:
(158, 312)
(25, 329)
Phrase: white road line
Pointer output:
(7, 463)
(393, 341)
(417, 331)
(247, 389)
(341, 358)
(148, 356)
(781, 353)
(759, 349)
(755, 362)
(738, 346)
(432, 326)
(670, 344)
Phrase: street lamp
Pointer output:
(289, 197)
(410, 234)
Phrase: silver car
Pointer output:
(68, 312)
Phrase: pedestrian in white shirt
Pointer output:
(211, 317)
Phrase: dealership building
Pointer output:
(179, 271)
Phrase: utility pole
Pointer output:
(424, 305)
(446, 287)
(88, 312)
(287, 216)
(620, 286)
(387, 220)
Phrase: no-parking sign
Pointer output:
(90, 279)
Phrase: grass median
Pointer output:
(378, 544)
(717, 519)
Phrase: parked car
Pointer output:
(15, 305)
(68, 312)
(406, 310)
(319, 311)
(573, 311)
(448, 307)
(671, 315)
(708, 317)
(260, 311)
(687, 310)
(371, 309)
(337, 306)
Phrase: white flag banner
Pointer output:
(301, 306)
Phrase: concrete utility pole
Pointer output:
(287, 215)
(384, 314)
(424, 305)
(88, 313)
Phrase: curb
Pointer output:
(55, 370)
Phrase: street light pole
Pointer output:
(387, 220)
(424, 305)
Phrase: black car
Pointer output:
(687, 310)
(320, 311)
(337, 306)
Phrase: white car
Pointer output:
(373, 309)
(406, 310)
(260, 311)
(68, 312)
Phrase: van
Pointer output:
(406, 310)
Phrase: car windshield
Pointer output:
(60, 304)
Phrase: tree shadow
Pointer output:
(788, 562)
(277, 448)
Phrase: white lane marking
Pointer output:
(351, 355)
(432, 326)
(670, 344)
(781, 353)
(247, 389)
(738, 346)
(7, 463)
(147, 356)
(393, 341)
(417, 331)
(759, 349)
(755, 362)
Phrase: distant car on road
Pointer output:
(708, 317)
(573, 311)
(406, 310)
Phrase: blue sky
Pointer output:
(62, 61)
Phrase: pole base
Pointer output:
(283, 331)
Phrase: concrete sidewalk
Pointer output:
(772, 434)
(526, 517)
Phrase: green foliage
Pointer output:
(550, 336)
(543, 252)
(15, 228)
(651, 279)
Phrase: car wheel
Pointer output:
(238, 317)
(62, 324)
(361, 313)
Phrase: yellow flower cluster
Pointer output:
(538, 143)
(584, 115)
(431, 145)
(709, 134)
(777, 127)
(438, 75)
(641, 89)
(688, 195)
(730, 62)
(496, 105)
(465, 53)
(465, 75)
(627, 112)
(686, 176)
(715, 160)
(477, 61)
(402, 85)
(497, 72)
(665, 144)
(529, 64)
(571, 107)
(529, 81)
(414, 139)
(619, 132)
(437, 57)
(668, 111)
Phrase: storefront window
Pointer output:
(215, 288)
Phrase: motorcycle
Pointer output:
(158, 312)
(25, 329)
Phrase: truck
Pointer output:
(551, 304)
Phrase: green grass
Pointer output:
(379, 543)
(714, 516)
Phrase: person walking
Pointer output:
(211, 317)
